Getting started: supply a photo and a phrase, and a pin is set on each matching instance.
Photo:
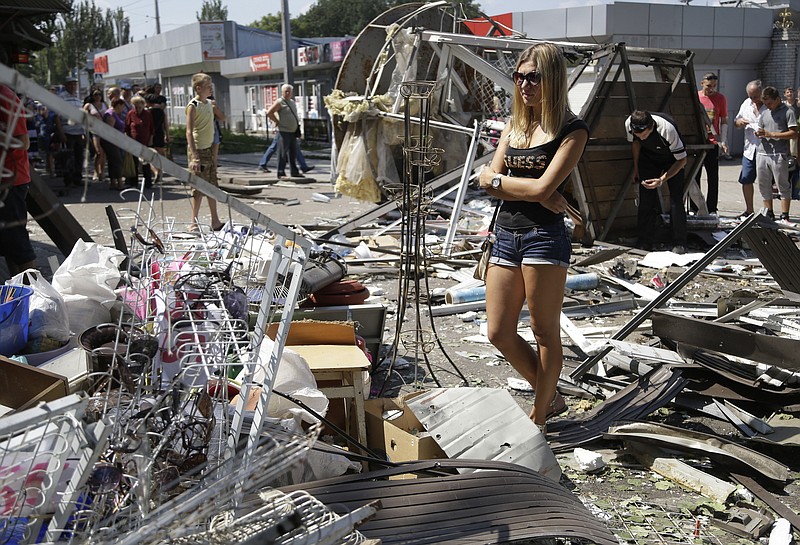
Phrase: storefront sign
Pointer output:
(212, 40)
(101, 64)
(260, 63)
(308, 55)
(339, 49)
(271, 95)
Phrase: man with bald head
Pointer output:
(747, 119)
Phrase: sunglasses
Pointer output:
(638, 128)
(534, 77)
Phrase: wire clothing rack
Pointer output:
(414, 198)
(158, 449)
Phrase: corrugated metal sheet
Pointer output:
(484, 424)
(779, 255)
(647, 394)
(504, 503)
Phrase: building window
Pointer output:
(180, 97)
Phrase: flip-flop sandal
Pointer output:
(557, 406)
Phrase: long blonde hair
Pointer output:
(552, 65)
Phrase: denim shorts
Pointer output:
(543, 245)
(748, 174)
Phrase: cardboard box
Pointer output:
(392, 428)
(23, 386)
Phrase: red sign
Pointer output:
(260, 63)
(271, 95)
(101, 64)
(20, 56)
(482, 27)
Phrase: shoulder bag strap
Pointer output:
(494, 216)
(292, 111)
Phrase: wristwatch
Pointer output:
(496, 182)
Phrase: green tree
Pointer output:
(337, 17)
(212, 10)
(269, 22)
(84, 29)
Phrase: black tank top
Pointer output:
(531, 163)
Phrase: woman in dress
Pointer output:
(538, 149)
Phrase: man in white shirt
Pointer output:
(72, 135)
(747, 119)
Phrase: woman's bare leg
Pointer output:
(544, 288)
(505, 293)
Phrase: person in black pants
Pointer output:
(658, 156)
(71, 134)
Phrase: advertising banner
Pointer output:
(339, 49)
(212, 40)
(308, 55)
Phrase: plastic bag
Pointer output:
(86, 280)
(128, 166)
(356, 178)
(48, 312)
(293, 377)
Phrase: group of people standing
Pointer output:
(769, 157)
(141, 116)
(770, 145)
(538, 149)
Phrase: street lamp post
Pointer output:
(286, 29)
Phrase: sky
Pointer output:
(176, 13)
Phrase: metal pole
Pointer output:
(158, 20)
(286, 30)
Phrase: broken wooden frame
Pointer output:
(606, 169)
(602, 181)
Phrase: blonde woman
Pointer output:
(538, 149)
